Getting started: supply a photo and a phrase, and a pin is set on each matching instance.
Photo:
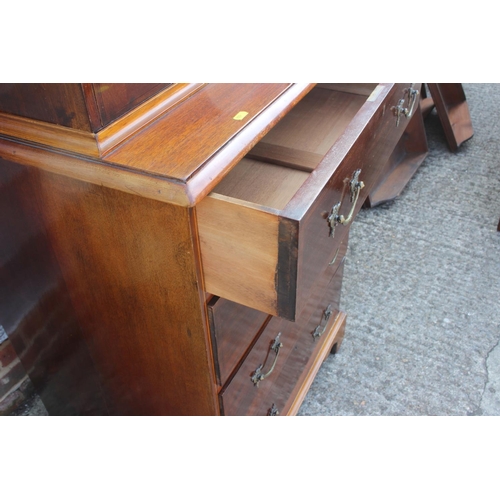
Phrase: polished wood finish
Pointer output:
(48, 134)
(136, 293)
(87, 107)
(99, 143)
(142, 115)
(264, 255)
(56, 103)
(451, 106)
(290, 382)
(35, 307)
(453, 112)
(209, 117)
(152, 295)
(234, 329)
(408, 155)
(114, 100)
(117, 170)
(92, 170)
(426, 102)
(333, 340)
(299, 351)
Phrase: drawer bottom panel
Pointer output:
(285, 372)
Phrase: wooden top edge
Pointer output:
(88, 143)
(95, 171)
(91, 168)
(130, 123)
(49, 134)
(181, 141)
(210, 174)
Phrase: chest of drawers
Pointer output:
(186, 257)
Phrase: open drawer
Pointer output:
(275, 222)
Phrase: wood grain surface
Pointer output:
(407, 156)
(234, 328)
(89, 143)
(262, 183)
(453, 112)
(113, 259)
(243, 397)
(35, 307)
(57, 103)
(115, 99)
(88, 107)
(239, 249)
(179, 143)
(240, 263)
(214, 147)
(129, 268)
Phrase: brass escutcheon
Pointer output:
(273, 411)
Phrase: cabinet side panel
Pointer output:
(35, 309)
(130, 267)
(57, 103)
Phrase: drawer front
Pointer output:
(301, 343)
(321, 231)
(268, 257)
(233, 329)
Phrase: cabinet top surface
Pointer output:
(178, 156)
(182, 140)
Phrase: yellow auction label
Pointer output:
(240, 115)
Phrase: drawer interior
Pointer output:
(264, 230)
(274, 170)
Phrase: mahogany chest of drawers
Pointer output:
(178, 249)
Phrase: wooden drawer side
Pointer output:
(269, 230)
(239, 249)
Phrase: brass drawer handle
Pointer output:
(320, 329)
(412, 95)
(400, 110)
(273, 411)
(257, 375)
(355, 186)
